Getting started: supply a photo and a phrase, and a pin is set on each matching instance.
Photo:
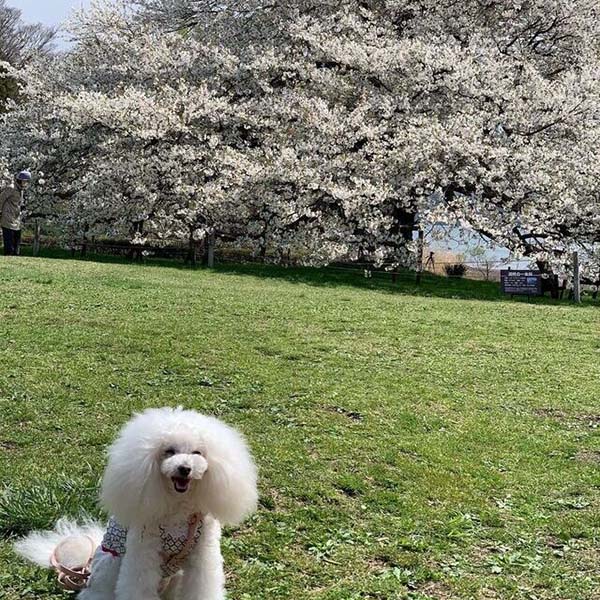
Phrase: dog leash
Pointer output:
(194, 522)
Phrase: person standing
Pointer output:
(11, 200)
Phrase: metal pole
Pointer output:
(576, 286)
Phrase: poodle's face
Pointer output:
(182, 464)
(169, 460)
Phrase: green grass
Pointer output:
(410, 445)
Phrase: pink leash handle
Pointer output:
(72, 580)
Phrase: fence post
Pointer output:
(576, 281)
(36, 238)
(192, 254)
(211, 249)
(420, 256)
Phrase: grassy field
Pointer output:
(410, 445)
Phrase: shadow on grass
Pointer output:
(405, 281)
(435, 286)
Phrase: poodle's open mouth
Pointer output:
(181, 484)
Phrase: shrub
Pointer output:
(455, 270)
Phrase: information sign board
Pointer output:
(524, 283)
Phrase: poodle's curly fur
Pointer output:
(166, 465)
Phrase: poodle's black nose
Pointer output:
(184, 471)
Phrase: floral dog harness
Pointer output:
(177, 542)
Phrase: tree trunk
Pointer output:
(576, 278)
(192, 256)
(420, 245)
(210, 259)
(135, 253)
(551, 283)
(84, 241)
(404, 223)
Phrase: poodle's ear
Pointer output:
(131, 487)
(228, 488)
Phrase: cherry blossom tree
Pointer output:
(324, 129)
(20, 43)
(394, 115)
(131, 134)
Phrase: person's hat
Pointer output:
(24, 176)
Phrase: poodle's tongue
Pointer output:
(181, 484)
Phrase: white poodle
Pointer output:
(173, 476)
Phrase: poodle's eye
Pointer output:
(170, 452)
(197, 452)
